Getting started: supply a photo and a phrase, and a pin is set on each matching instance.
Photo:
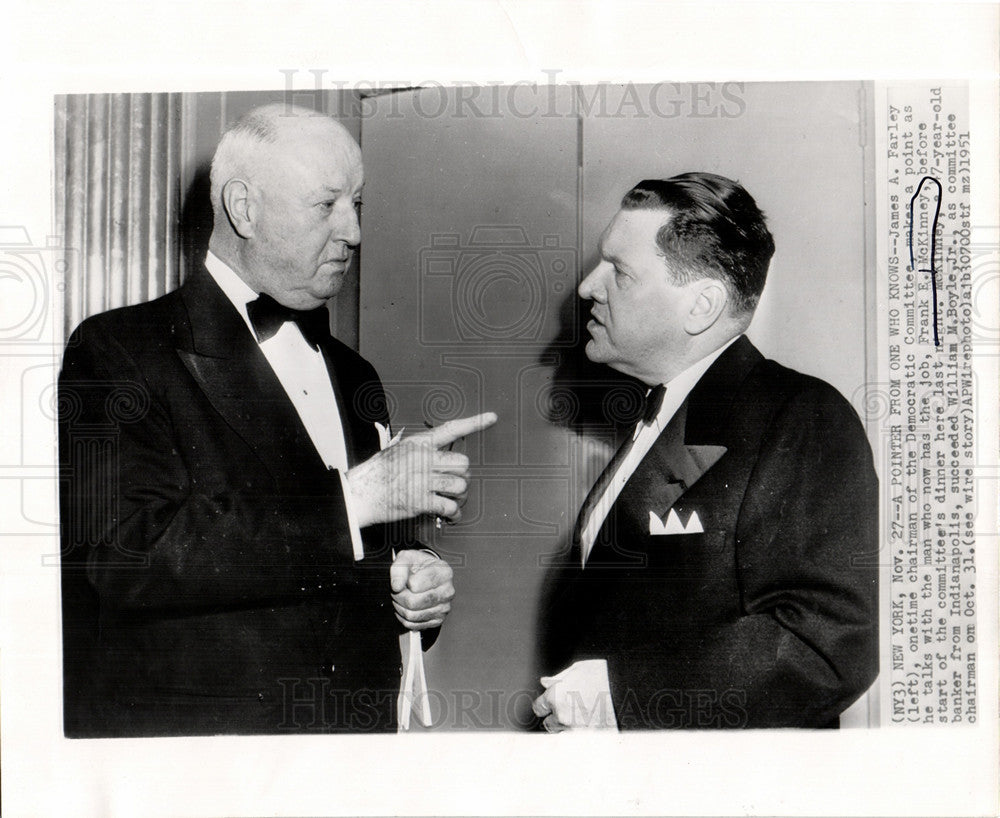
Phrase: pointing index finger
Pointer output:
(453, 430)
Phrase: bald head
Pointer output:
(249, 145)
(286, 188)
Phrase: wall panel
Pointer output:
(470, 251)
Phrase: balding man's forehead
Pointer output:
(315, 128)
(315, 149)
(311, 166)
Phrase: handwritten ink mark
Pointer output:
(930, 269)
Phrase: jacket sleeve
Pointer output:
(148, 534)
(806, 643)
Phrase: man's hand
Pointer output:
(580, 696)
(416, 476)
(421, 589)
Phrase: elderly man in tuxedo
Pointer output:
(230, 484)
(723, 570)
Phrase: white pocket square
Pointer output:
(673, 524)
(385, 436)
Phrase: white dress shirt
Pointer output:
(644, 436)
(306, 380)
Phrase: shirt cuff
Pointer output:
(352, 520)
(596, 690)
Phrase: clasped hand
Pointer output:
(416, 476)
(422, 589)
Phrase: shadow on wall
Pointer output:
(196, 219)
(592, 401)
(585, 397)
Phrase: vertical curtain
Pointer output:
(117, 199)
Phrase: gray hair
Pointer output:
(245, 137)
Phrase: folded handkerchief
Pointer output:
(413, 698)
(385, 438)
(673, 524)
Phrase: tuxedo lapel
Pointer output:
(222, 356)
(694, 440)
(360, 403)
(709, 406)
(669, 469)
(345, 399)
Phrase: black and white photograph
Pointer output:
(507, 427)
(229, 561)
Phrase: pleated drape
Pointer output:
(117, 198)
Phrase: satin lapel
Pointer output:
(669, 469)
(695, 439)
(709, 418)
(222, 356)
(355, 402)
(343, 402)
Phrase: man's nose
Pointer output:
(346, 227)
(591, 287)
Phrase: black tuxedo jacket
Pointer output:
(768, 616)
(208, 577)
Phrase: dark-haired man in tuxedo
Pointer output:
(228, 560)
(722, 573)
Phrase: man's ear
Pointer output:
(236, 200)
(710, 298)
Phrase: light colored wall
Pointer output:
(796, 147)
(457, 321)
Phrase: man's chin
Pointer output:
(595, 353)
(330, 286)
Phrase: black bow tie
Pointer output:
(652, 404)
(267, 317)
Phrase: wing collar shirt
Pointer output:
(303, 374)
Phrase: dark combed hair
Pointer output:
(714, 230)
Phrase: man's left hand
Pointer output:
(421, 589)
(578, 697)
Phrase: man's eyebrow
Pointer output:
(329, 190)
(607, 256)
(326, 190)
